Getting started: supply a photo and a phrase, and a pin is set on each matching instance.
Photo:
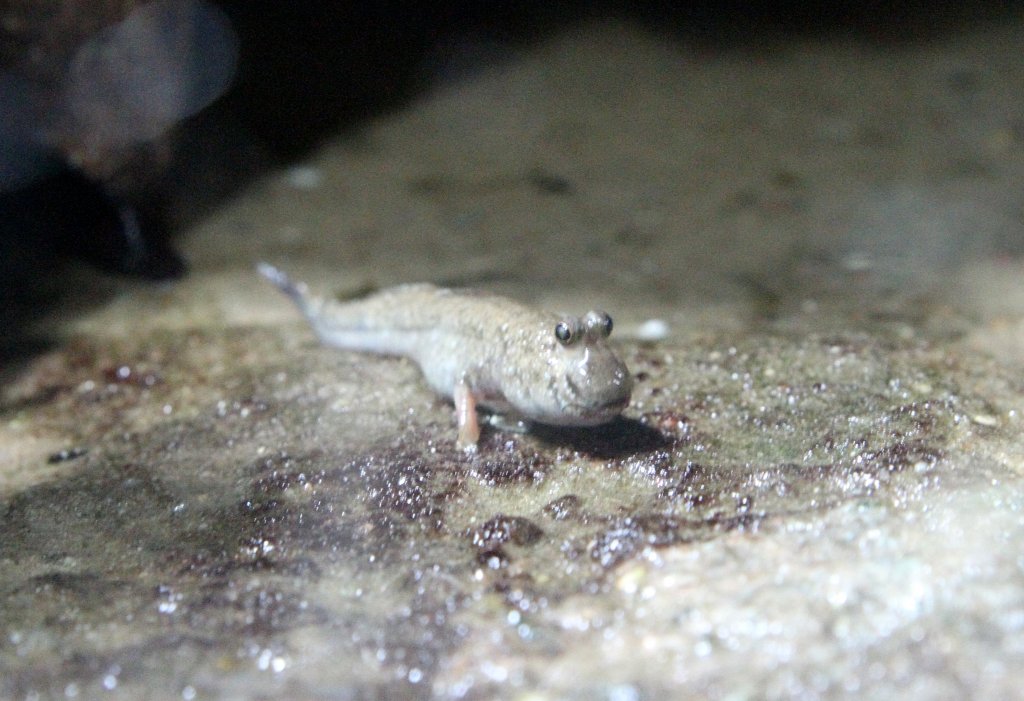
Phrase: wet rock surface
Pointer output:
(816, 491)
(261, 538)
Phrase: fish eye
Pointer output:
(566, 332)
(599, 322)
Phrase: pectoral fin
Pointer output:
(466, 417)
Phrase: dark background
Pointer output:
(309, 71)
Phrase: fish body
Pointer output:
(481, 350)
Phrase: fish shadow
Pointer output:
(619, 438)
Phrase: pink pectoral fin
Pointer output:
(466, 417)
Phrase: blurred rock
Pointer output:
(94, 91)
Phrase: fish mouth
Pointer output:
(616, 405)
(605, 411)
(593, 415)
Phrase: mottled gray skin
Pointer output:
(482, 349)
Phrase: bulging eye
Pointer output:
(599, 323)
(567, 332)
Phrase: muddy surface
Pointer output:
(817, 491)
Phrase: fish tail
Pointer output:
(296, 291)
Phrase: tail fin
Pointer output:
(296, 291)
